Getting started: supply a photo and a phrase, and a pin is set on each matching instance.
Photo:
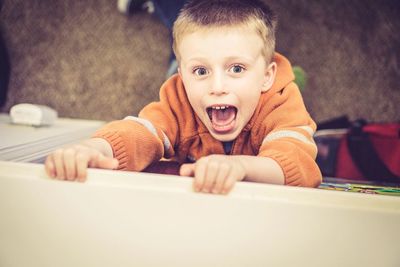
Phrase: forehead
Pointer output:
(226, 41)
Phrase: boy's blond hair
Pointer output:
(202, 14)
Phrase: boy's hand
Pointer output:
(215, 174)
(71, 163)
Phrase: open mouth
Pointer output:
(222, 117)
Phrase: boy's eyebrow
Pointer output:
(231, 58)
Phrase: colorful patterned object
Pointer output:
(362, 188)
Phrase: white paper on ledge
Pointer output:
(137, 219)
(24, 143)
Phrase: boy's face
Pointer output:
(224, 73)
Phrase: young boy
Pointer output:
(232, 113)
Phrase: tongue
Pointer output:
(222, 118)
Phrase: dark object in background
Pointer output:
(164, 167)
(328, 136)
(341, 122)
(359, 150)
(4, 68)
(166, 11)
(371, 151)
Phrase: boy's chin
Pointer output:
(225, 137)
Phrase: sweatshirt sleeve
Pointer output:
(140, 141)
(133, 144)
(286, 135)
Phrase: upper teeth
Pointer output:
(220, 107)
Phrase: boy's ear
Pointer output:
(269, 78)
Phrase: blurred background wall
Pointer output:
(88, 60)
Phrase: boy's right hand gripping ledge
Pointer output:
(71, 162)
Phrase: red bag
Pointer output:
(362, 152)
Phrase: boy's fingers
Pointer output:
(229, 183)
(199, 175)
(58, 160)
(69, 164)
(82, 162)
(93, 158)
(210, 175)
(187, 169)
(223, 173)
(107, 163)
(49, 167)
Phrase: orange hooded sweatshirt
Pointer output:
(280, 128)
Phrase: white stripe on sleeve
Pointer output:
(287, 134)
(149, 126)
(308, 129)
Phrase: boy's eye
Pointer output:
(200, 71)
(237, 69)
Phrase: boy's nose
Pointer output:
(218, 86)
